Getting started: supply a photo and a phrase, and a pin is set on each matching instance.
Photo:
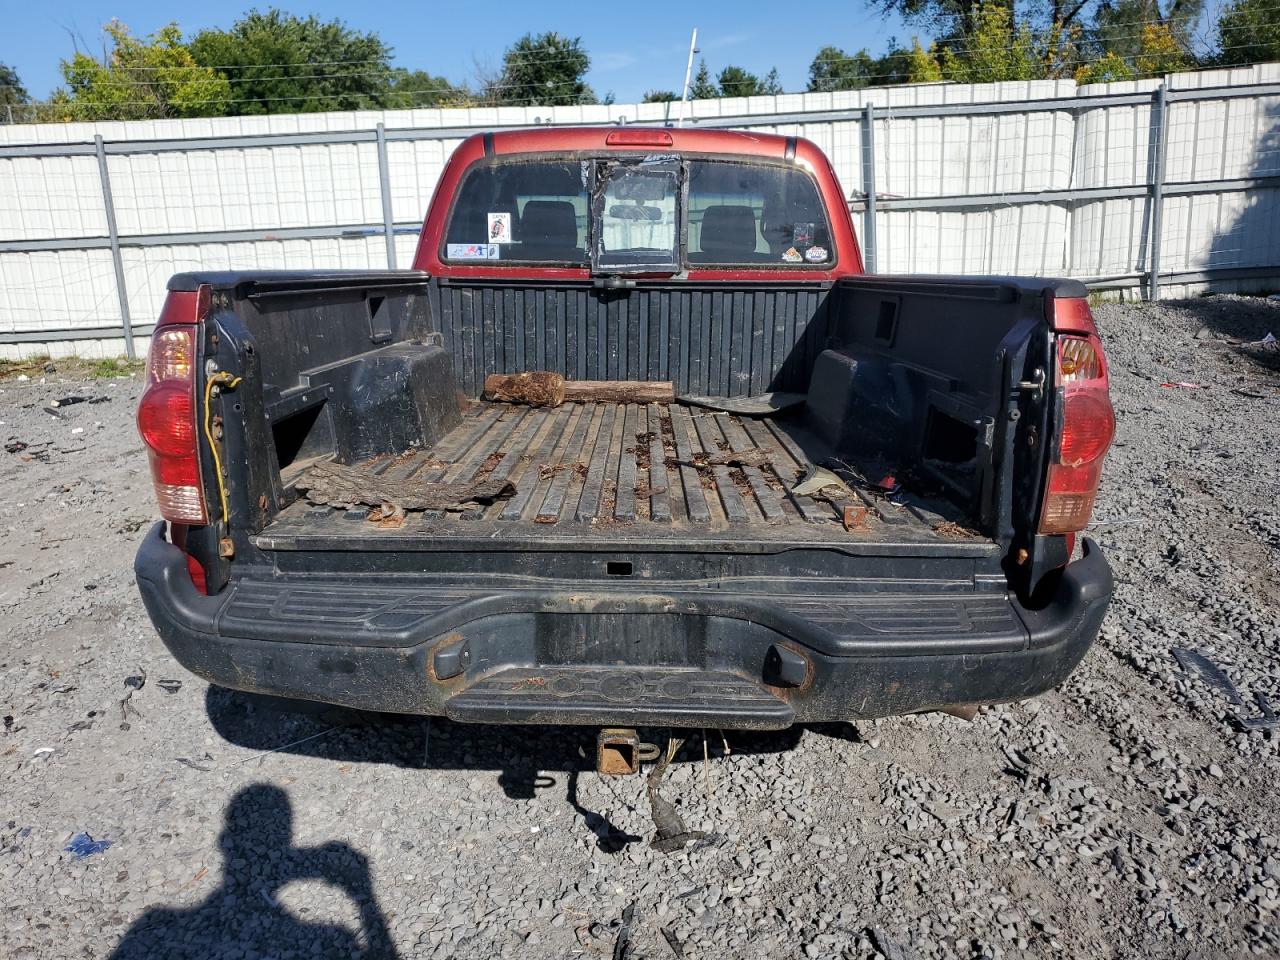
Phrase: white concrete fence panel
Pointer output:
(1039, 177)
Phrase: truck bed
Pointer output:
(625, 473)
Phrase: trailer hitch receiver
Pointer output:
(619, 751)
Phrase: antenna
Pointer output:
(688, 71)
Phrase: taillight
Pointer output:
(167, 410)
(1088, 421)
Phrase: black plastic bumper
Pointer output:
(696, 658)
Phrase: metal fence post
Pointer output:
(1160, 107)
(114, 236)
(384, 182)
(869, 187)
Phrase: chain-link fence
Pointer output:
(1143, 187)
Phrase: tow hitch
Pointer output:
(619, 752)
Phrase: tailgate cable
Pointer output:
(217, 382)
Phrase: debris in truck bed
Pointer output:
(343, 487)
(535, 388)
(759, 405)
(729, 458)
(823, 484)
(949, 528)
(542, 388)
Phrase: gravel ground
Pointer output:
(1119, 816)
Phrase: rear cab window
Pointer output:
(647, 214)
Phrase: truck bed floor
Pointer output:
(618, 472)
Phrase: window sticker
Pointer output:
(816, 254)
(472, 251)
(802, 234)
(792, 255)
(499, 227)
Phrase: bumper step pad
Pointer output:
(620, 696)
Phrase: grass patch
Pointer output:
(106, 369)
(73, 367)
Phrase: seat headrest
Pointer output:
(549, 223)
(728, 231)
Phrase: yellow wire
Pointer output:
(221, 378)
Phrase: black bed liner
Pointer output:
(633, 473)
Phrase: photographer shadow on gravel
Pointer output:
(242, 917)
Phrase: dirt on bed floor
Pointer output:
(1125, 815)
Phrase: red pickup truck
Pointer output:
(746, 485)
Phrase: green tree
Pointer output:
(279, 63)
(140, 79)
(12, 93)
(1248, 32)
(997, 49)
(660, 96)
(703, 88)
(921, 66)
(1137, 38)
(547, 69)
(735, 81)
(833, 69)
(417, 88)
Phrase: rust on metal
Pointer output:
(854, 516)
(447, 640)
(617, 751)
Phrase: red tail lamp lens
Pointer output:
(167, 412)
(1088, 422)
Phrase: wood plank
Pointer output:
(619, 391)
(735, 508)
(788, 458)
(461, 437)
(486, 445)
(642, 459)
(515, 465)
(566, 463)
(768, 499)
(512, 449)
(624, 507)
(659, 491)
(886, 511)
(589, 502)
(532, 483)
(690, 478)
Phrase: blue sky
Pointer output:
(634, 46)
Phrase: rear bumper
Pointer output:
(624, 658)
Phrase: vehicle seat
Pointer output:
(549, 231)
(728, 235)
